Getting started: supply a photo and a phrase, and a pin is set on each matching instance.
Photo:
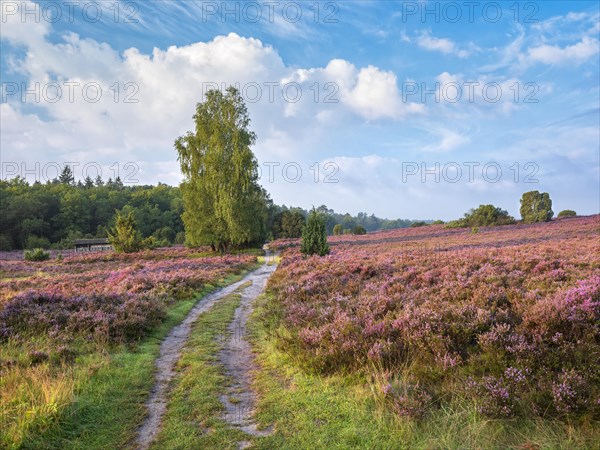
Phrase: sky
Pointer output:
(403, 109)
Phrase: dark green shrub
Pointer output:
(37, 254)
(359, 229)
(566, 213)
(314, 235)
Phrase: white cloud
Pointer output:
(447, 140)
(570, 54)
(166, 84)
(443, 45)
(428, 42)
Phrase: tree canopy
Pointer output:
(223, 203)
(536, 207)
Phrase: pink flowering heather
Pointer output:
(512, 308)
(115, 297)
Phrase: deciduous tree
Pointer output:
(223, 203)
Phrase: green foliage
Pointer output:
(337, 229)
(66, 176)
(314, 235)
(418, 224)
(125, 237)
(437, 222)
(223, 203)
(37, 254)
(5, 242)
(359, 230)
(292, 223)
(567, 213)
(36, 242)
(536, 207)
(61, 213)
(483, 216)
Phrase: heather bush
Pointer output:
(117, 318)
(509, 320)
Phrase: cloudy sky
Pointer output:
(402, 109)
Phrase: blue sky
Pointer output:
(402, 109)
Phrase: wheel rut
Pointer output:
(238, 361)
(236, 358)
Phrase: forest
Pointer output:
(55, 213)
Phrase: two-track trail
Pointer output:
(236, 357)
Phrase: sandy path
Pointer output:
(238, 361)
(170, 350)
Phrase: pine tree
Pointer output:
(125, 237)
(66, 176)
(314, 235)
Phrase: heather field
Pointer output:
(501, 324)
(78, 338)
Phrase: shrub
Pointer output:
(337, 229)
(359, 230)
(37, 254)
(418, 224)
(567, 213)
(125, 237)
(483, 216)
(488, 215)
(314, 235)
(180, 238)
(536, 207)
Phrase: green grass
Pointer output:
(346, 411)
(192, 420)
(109, 392)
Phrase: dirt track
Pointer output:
(236, 358)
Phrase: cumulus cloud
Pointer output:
(146, 100)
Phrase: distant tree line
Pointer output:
(54, 214)
(288, 222)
